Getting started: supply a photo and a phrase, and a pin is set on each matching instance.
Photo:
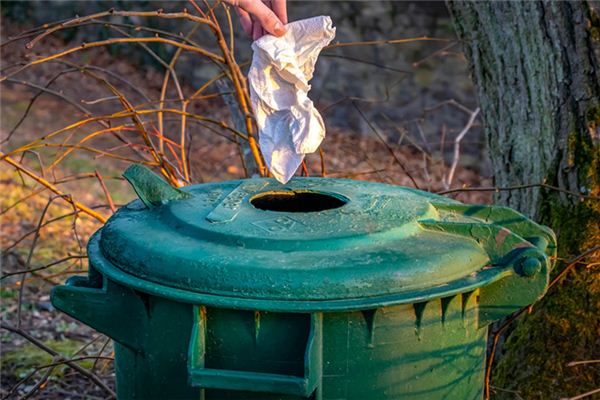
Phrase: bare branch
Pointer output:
(101, 43)
(90, 375)
(517, 187)
(52, 188)
(584, 362)
(393, 41)
(111, 204)
(78, 20)
(387, 146)
(24, 271)
(583, 395)
(459, 137)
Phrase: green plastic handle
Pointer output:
(524, 281)
(107, 307)
(211, 378)
(150, 188)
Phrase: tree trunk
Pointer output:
(537, 69)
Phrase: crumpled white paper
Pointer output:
(289, 124)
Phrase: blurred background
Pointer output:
(401, 88)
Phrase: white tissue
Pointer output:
(289, 124)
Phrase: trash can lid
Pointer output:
(332, 241)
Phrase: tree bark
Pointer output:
(537, 69)
(537, 77)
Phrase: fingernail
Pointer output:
(279, 29)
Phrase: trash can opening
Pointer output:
(292, 201)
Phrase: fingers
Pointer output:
(245, 20)
(257, 31)
(280, 9)
(266, 18)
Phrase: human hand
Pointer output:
(259, 17)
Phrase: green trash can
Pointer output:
(320, 288)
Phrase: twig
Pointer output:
(93, 377)
(422, 135)
(86, 71)
(99, 354)
(384, 99)
(572, 264)
(53, 188)
(78, 20)
(118, 115)
(241, 90)
(374, 64)
(25, 379)
(171, 72)
(29, 256)
(583, 395)
(55, 363)
(443, 149)
(71, 148)
(404, 134)
(48, 222)
(517, 187)
(496, 338)
(22, 199)
(231, 31)
(351, 175)
(304, 168)
(239, 122)
(84, 396)
(452, 103)
(100, 100)
(515, 392)
(322, 157)
(393, 41)
(75, 233)
(83, 68)
(31, 32)
(101, 120)
(101, 153)
(107, 42)
(426, 172)
(41, 90)
(111, 204)
(417, 64)
(25, 271)
(67, 271)
(574, 363)
(387, 146)
(166, 169)
(157, 156)
(457, 140)
(138, 28)
(38, 384)
(69, 178)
